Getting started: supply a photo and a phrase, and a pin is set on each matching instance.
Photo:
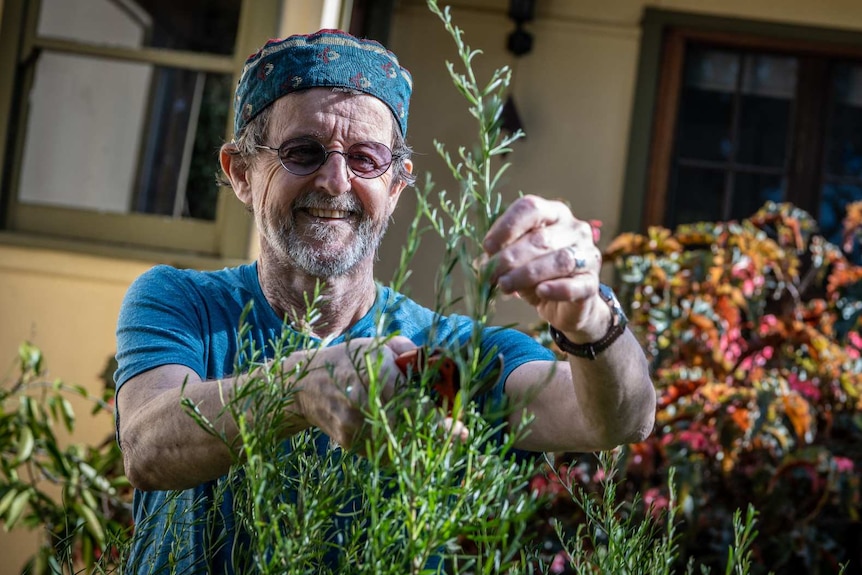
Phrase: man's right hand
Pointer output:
(164, 448)
(333, 395)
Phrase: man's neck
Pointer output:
(344, 300)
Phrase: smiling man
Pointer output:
(319, 157)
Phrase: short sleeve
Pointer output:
(159, 324)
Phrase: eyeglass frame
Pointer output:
(326, 153)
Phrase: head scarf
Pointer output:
(327, 58)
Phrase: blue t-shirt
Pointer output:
(192, 318)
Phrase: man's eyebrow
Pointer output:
(310, 135)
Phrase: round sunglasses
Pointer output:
(304, 156)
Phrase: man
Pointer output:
(319, 158)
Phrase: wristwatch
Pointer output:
(616, 328)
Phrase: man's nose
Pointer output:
(334, 175)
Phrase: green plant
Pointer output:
(93, 511)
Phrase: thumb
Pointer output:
(400, 344)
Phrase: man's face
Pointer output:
(328, 222)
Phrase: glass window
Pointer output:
(127, 136)
(733, 134)
(765, 107)
(707, 104)
(208, 26)
(700, 193)
(90, 137)
(842, 172)
(742, 120)
(752, 190)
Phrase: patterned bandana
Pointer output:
(328, 58)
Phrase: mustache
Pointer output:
(320, 200)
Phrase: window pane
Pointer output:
(194, 25)
(706, 105)
(89, 137)
(179, 160)
(844, 138)
(768, 91)
(751, 191)
(698, 196)
(123, 149)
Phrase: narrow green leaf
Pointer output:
(94, 526)
(68, 414)
(89, 498)
(16, 509)
(7, 499)
(25, 445)
(59, 459)
(31, 358)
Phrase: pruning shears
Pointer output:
(445, 377)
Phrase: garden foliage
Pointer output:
(753, 329)
(75, 494)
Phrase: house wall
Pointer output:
(574, 92)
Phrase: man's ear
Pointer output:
(398, 185)
(235, 169)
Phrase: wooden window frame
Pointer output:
(656, 106)
(182, 241)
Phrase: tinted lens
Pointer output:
(301, 156)
(368, 159)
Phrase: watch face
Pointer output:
(609, 296)
(607, 293)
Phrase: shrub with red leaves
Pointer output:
(753, 330)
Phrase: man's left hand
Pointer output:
(541, 252)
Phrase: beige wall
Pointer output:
(574, 92)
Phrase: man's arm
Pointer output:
(164, 448)
(538, 250)
(585, 405)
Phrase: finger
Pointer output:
(400, 344)
(455, 429)
(525, 214)
(539, 242)
(564, 263)
(529, 246)
(568, 289)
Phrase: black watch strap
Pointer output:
(590, 350)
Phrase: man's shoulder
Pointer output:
(166, 277)
(164, 272)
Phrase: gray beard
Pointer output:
(309, 249)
